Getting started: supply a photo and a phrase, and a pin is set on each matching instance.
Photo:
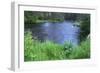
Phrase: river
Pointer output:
(59, 32)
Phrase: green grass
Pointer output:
(82, 51)
(35, 50)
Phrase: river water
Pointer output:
(59, 32)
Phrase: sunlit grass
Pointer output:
(35, 50)
(82, 51)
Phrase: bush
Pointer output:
(84, 28)
(34, 50)
(82, 51)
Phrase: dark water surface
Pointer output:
(56, 32)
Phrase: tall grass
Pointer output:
(34, 50)
(82, 51)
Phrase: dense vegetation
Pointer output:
(84, 28)
(35, 50)
(40, 17)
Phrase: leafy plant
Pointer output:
(34, 50)
(81, 51)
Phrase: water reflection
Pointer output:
(56, 32)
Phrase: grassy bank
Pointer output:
(35, 50)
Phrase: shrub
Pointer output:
(34, 50)
(82, 51)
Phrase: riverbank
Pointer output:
(37, 21)
(35, 50)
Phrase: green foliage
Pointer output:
(70, 16)
(55, 20)
(82, 51)
(31, 18)
(35, 50)
(84, 28)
